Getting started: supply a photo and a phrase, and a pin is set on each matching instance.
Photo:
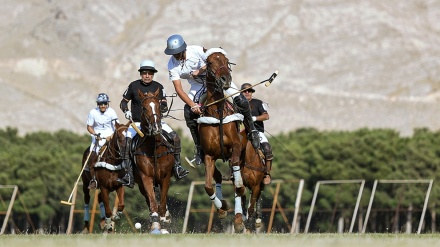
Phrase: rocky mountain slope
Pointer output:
(343, 64)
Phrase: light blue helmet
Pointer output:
(175, 45)
(102, 98)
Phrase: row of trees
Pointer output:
(46, 165)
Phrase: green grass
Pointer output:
(223, 240)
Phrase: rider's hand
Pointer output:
(98, 137)
(128, 115)
(196, 109)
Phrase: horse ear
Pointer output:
(141, 94)
(157, 92)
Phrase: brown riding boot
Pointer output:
(267, 178)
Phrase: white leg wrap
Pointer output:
(238, 181)
(154, 214)
(218, 191)
(238, 208)
(216, 201)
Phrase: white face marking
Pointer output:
(153, 109)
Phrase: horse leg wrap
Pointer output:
(218, 191)
(108, 224)
(102, 209)
(238, 208)
(216, 201)
(86, 212)
(238, 180)
(117, 216)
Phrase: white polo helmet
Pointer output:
(102, 98)
(147, 65)
(175, 45)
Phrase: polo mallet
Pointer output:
(266, 82)
(68, 202)
(136, 128)
(190, 162)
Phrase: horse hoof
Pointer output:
(257, 223)
(85, 231)
(238, 223)
(221, 213)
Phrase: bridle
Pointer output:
(149, 128)
(219, 75)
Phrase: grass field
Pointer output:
(214, 240)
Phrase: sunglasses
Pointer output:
(103, 103)
(248, 91)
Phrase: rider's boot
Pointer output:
(268, 157)
(198, 153)
(128, 179)
(178, 170)
(243, 107)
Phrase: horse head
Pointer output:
(218, 69)
(151, 115)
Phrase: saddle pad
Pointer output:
(108, 166)
(212, 120)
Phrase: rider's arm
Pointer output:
(124, 105)
(179, 90)
(263, 117)
(91, 130)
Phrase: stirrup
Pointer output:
(180, 172)
(267, 179)
(92, 184)
(125, 181)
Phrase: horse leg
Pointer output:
(86, 193)
(154, 216)
(165, 221)
(120, 192)
(108, 211)
(238, 220)
(218, 183)
(235, 161)
(253, 220)
(102, 211)
(220, 204)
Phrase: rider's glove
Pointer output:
(128, 115)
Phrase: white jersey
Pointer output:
(102, 123)
(182, 69)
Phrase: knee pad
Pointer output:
(267, 150)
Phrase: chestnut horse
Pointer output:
(219, 133)
(154, 159)
(107, 169)
(253, 171)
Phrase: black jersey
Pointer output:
(132, 94)
(257, 108)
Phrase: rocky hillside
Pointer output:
(343, 64)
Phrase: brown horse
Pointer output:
(253, 171)
(219, 132)
(107, 169)
(154, 159)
